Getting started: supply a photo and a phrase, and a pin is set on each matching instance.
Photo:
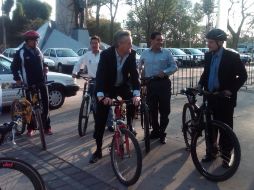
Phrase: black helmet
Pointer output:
(216, 34)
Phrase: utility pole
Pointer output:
(3, 26)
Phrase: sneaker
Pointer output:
(111, 128)
(30, 132)
(48, 131)
(95, 157)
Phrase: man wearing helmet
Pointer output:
(28, 61)
(223, 72)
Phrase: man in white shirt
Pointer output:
(91, 59)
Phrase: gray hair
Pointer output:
(119, 35)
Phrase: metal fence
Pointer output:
(189, 73)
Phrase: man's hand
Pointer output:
(162, 74)
(227, 92)
(105, 100)
(18, 82)
(136, 100)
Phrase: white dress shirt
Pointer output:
(90, 60)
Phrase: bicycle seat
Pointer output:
(5, 128)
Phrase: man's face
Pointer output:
(213, 46)
(157, 42)
(95, 45)
(32, 43)
(125, 45)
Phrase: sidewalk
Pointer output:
(65, 164)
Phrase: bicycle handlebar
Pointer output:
(200, 92)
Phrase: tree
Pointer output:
(150, 15)
(7, 6)
(246, 13)
(208, 10)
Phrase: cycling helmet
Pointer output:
(216, 34)
(31, 35)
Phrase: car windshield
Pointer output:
(176, 51)
(66, 53)
(6, 63)
(195, 51)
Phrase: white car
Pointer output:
(64, 58)
(10, 52)
(63, 86)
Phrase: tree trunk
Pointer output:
(98, 7)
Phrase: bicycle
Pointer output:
(124, 148)
(205, 134)
(16, 174)
(30, 111)
(145, 115)
(88, 101)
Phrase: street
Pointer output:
(165, 167)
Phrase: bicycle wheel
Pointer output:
(146, 130)
(216, 170)
(126, 157)
(39, 125)
(15, 108)
(18, 175)
(187, 121)
(83, 116)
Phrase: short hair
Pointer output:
(154, 34)
(119, 35)
(95, 38)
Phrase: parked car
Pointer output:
(10, 52)
(180, 57)
(204, 50)
(244, 57)
(63, 86)
(64, 58)
(198, 55)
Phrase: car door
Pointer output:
(6, 81)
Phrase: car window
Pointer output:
(12, 53)
(176, 51)
(6, 53)
(80, 52)
(66, 53)
(5, 66)
(196, 51)
(46, 53)
(52, 53)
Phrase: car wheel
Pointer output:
(60, 68)
(56, 97)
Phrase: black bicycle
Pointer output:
(203, 135)
(16, 174)
(88, 105)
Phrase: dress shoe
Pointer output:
(95, 157)
(208, 158)
(163, 138)
(154, 135)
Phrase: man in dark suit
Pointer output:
(116, 75)
(224, 73)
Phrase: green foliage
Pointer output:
(104, 29)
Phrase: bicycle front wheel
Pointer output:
(18, 175)
(187, 121)
(83, 116)
(39, 125)
(224, 155)
(126, 157)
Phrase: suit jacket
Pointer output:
(232, 73)
(106, 74)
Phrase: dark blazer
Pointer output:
(232, 73)
(107, 71)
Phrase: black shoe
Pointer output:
(111, 128)
(163, 138)
(208, 158)
(95, 157)
(225, 164)
(154, 135)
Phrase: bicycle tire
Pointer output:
(24, 168)
(40, 126)
(186, 124)
(138, 165)
(146, 131)
(203, 169)
(19, 129)
(82, 125)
